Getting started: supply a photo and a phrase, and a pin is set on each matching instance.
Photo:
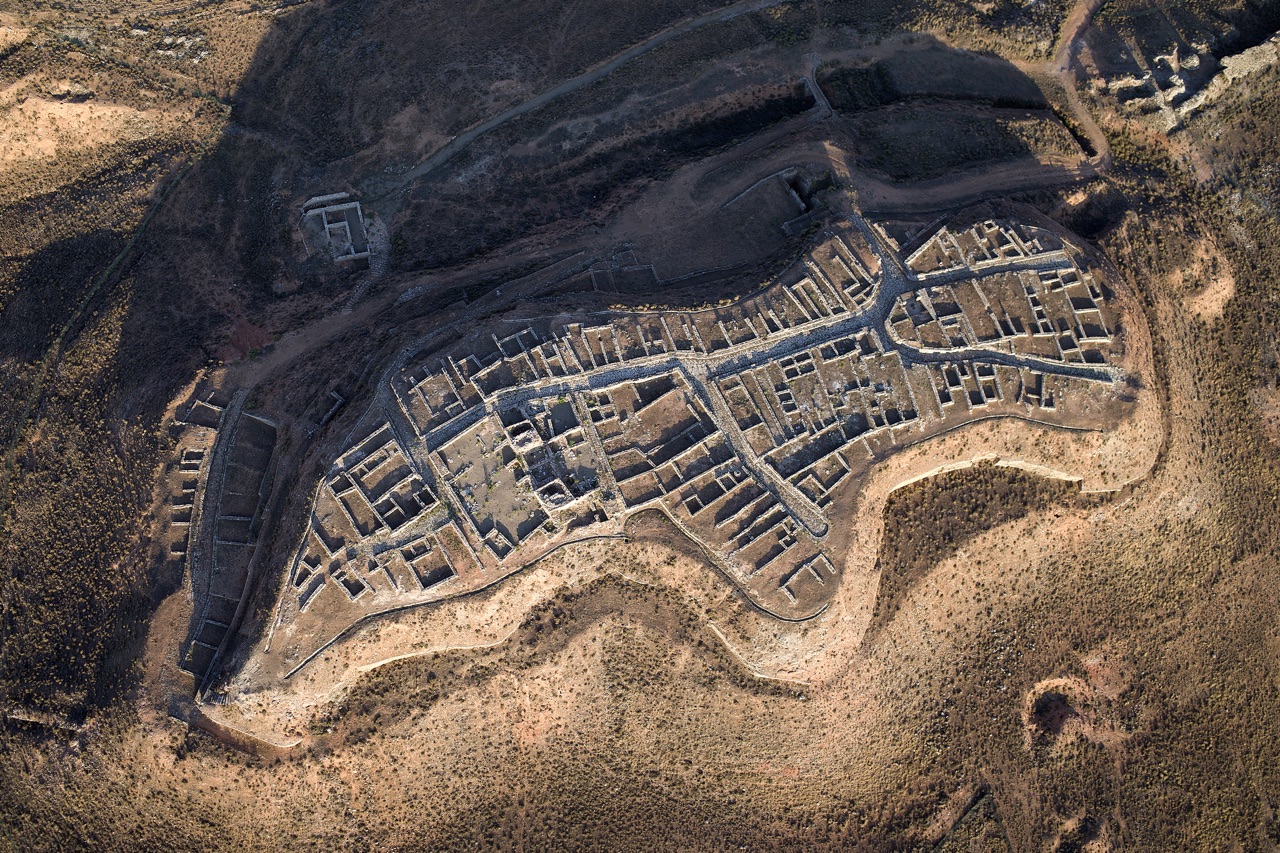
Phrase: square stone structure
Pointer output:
(335, 223)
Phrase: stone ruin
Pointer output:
(335, 224)
(742, 424)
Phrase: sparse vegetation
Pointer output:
(1111, 687)
(931, 520)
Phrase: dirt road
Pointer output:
(383, 192)
(881, 197)
(1062, 66)
(873, 194)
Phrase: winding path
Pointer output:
(381, 188)
(380, 191)
(1063, 66)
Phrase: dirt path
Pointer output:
(379, 191)
(1063, 65)
(873, 194)
(1072, 28)
(880, 197)
(248, 373)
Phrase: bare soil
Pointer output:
(616, 697)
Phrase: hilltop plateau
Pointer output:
(690, 425)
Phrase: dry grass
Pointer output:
(614, 717)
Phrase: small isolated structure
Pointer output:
(335, 223)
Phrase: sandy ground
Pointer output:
(11, 34)
(1212, 282)
(39, 129)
